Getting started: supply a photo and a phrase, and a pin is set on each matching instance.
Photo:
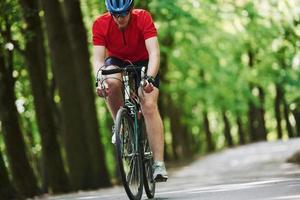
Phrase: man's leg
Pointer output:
(154, 123)
(154, 127)
(114, 92)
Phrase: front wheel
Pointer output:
(129, 158)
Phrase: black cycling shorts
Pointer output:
(121, 63)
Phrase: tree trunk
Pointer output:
(79, 43)
(23, 176)
(261, 116)
(256, 114)
(277, 111)
(35, 56)
(210, 146)
(285, 66)
(252, 122)
(241, 133)
(256, 123)
(296, 114)
(227, 133)
(6, 189)
(78, 158)
(289, 127)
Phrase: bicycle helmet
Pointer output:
(118, 6)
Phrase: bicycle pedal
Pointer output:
(160, 178)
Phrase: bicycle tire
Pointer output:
(147, 156)
(128, 154)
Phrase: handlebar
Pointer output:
(128, 69)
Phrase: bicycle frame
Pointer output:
(132, 105)
(130, 112)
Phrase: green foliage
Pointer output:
(209, 63)
(208, 44)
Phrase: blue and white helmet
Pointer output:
(118, 6)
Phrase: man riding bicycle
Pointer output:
(122, 36)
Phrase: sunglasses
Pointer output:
(123, 14)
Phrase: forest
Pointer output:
(230, 75)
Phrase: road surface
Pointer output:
(252, 172)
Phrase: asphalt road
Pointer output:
(252, 172)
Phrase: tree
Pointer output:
(296, 114)
(209, 142)
(23, 175)
(256, 112)
(227, 133)
(241, 133)
(78, 159)
(36, 60)
(7, 191)
(78, 38)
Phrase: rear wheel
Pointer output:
(128, 155)
(147, 157)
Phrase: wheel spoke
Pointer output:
(131, 167)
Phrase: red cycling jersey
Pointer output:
(128, 44)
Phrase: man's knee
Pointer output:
(112, 83)
(114, 87)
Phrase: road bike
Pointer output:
(134, 155)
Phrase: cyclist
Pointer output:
(121, 36)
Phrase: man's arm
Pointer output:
(98, 58)
(154, 56)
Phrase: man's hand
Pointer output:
(148, 88)
(102, 90)
(148, 84)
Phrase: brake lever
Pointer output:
(143, 82)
